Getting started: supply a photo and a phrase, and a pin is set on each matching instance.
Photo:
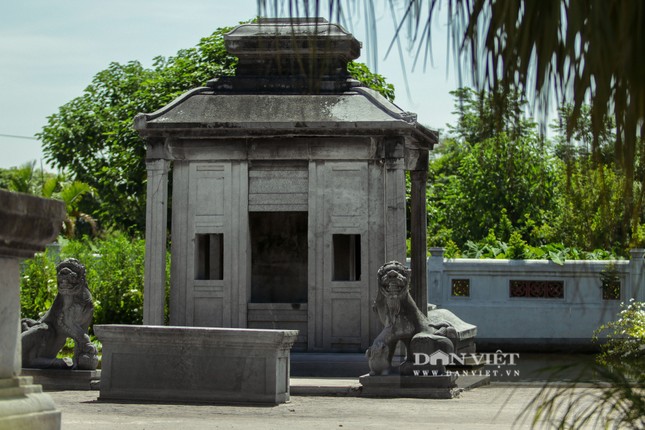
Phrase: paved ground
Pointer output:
(323, 403)
(490, 407)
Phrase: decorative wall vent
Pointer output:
(611, 291)
(460, 288)
(610, 282)
(537, 289)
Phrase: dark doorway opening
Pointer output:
(279, 257)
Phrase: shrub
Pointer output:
(625, 336)
(517, 249)
(615, 399)
(114, 271)
(114, 268)
(38, 285)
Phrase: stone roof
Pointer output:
(291, 80)
(295, 37)
(204, 112)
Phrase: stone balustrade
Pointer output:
(533, 305)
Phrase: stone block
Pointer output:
(195, 364)
(64, 379)
(424, 387)
(466, 333)
(23, 406)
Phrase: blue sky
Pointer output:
(49, 52)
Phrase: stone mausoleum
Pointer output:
(288, 191)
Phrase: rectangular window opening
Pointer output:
(209, 256)
(346, 257)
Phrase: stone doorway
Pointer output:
(278, 257)
(279, 272)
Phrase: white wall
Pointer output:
(524, 323)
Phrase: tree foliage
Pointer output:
(580, 52)
(587, 51)
(615, 397)
(28, 179)
(114, 269)
(363, 74)
(577, 52)
(597, 208)
(92, 138)
(477, 119)
(514, 181)
(591, 208)
(484, 181)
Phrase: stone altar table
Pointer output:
(195, 364)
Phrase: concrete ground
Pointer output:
(488, 407)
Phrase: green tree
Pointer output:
(483, 115)
(31, 180)
(575, 52)
(595, 207)
(499, 181)
(114, 269)
(579, 142)
(590, 209)
(92, 138)
(26, 178)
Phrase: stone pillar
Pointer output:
(394, 200)
(418, 222)
(27, 224)
(435, 273)
(637, 283)
(154, 291)
(9, 318)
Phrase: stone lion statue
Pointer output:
(404, 322)
(69, 316)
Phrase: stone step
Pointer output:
(64, 379)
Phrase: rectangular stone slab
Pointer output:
(424, 387)
(64, 379)
(195, 364)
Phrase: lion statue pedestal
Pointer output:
(427, 342)
(69, 316)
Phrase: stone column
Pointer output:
(9, 317)
(419, 228)
(394, 200)
(435, 273)
(154, 291)
(27, 224)
(637, 287)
